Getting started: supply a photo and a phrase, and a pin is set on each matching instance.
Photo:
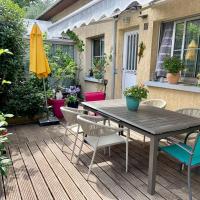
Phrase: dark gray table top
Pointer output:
(150, 119)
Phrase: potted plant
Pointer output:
(64, 70)
(134, 95)
(99, 65)
(174, 66)
(72, 101)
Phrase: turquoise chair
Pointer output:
(187, 155)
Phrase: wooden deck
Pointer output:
(42, 171)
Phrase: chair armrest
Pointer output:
(174, 140)
(119, 129)
(178, 143)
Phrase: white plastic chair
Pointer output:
(159, 103)
(70, 116)
(100, 136)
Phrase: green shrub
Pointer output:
(26, 98)
(63, 68)
(11, 37)
(5, 162)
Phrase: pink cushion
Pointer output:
(94, 96)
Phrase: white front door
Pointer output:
(130, 59)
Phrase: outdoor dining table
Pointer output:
(155, 123)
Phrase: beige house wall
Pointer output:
(172, 11)
(86, 34)
(130, 20)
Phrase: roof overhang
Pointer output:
(94, 11)
(55, 9)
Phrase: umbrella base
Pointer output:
(48, 122)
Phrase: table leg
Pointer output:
(152, 165)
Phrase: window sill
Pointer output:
(180, 86)
(94, 80)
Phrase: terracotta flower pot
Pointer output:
(173, 78)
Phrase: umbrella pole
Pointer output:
(45, 94)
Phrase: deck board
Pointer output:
(122, 161)
(116, 177)
(165, 171)
(23, 179)
(42, 171)
(76, 176)
(53, 183)
(36, 177)
(102, 191)
(62, 175)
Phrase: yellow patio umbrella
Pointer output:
(38, 60)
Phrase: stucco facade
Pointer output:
(129, 20)
(173, 10)
(86, 34)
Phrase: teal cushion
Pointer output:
(180, 154)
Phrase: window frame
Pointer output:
(101, 37)
(185, 21)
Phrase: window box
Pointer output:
(180, 86)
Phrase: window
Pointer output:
(98, 48)
(181, 39)
(186, 45)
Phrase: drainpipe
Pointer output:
(114, 57)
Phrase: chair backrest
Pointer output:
(159, 103)
(91, 126)
(193, 112)
(70, 114)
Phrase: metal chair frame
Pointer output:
(191, 153)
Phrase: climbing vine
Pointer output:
(78, 42)
(80, 46)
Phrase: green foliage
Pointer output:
(23, 3)
(99, 65)
(138, 92)
(4, 83)
(11, 34)
(173, 65)
(62, 66)
(80, 46)
(5, 162)
(26, 97)
(37, 7)
(72, 99)
(2, 51)
(78, 42)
